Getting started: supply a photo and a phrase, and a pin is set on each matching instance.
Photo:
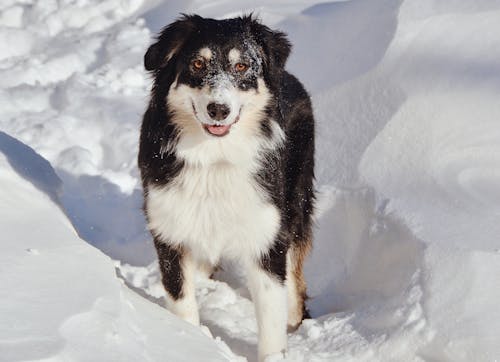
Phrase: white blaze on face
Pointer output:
(223, 91)
(220, 90)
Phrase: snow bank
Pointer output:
(73, 88)
(60, 298)
(409, 227)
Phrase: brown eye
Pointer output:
(198, 64)
(240, 67)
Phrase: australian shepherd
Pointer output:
(227, 164)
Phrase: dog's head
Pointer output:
(215, 73)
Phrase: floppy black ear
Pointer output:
(152, 58)
(275, 44)
(169, 42)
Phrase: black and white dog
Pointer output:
(227, 162)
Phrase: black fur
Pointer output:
(287, 173)
(275, 261)
(170, 260)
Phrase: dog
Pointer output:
(227, 165)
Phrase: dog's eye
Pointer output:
(240, 67)
(198, 64)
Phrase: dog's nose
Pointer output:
(218, 111)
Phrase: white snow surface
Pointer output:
(406, 259)
(60, 297)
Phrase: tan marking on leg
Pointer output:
(296, 283)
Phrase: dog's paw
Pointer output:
(275, 357)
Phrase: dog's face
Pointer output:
(217, 82)
(219, 71)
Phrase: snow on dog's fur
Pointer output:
(226, 158)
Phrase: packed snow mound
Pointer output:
(405, 263)
(442, 145)
(74, 89)
(60, 298)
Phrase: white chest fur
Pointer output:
(215, 211)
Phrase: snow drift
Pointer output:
(60, 297)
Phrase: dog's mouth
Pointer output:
(217, 129)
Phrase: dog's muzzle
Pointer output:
(218, 112)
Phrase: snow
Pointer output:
(406, 256)
(60, 298)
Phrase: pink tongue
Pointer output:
(218, 130)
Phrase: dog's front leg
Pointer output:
(178, 269)
(267, 287)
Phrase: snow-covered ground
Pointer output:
(60, 298)
(406, 264)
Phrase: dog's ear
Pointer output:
(169, 42)
(275, 44)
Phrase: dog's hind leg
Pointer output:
(178, 270)
(296, 285)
